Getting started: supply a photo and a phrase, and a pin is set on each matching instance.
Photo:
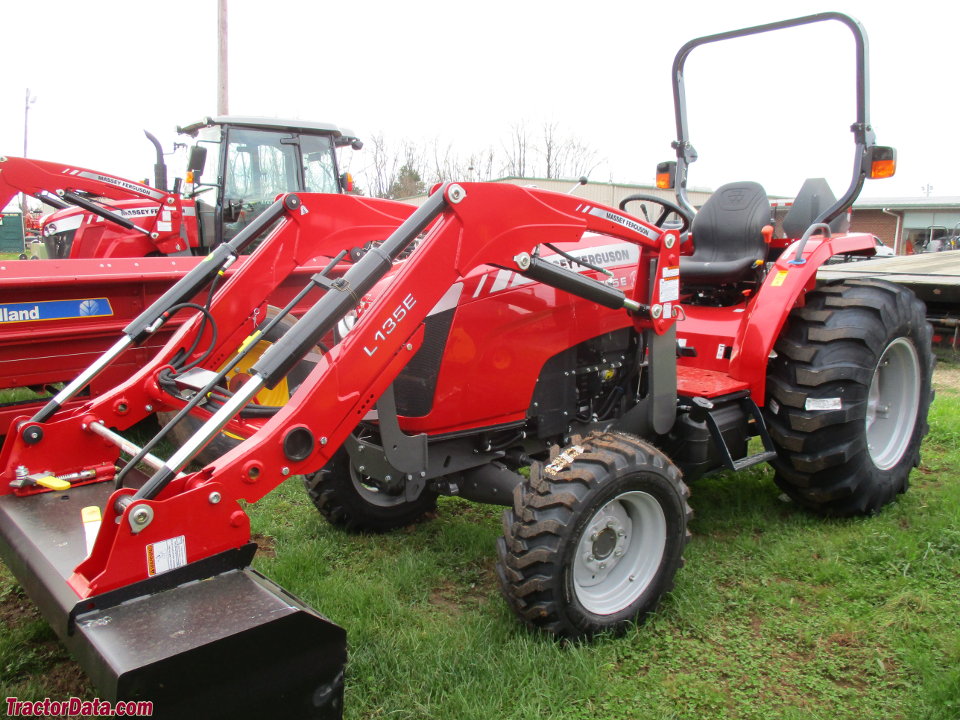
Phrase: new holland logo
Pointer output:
(89, 308)
(55, 310)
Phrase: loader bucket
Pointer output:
(212, 639)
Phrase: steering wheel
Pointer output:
(669, 208)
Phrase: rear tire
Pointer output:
(594, 538)
(340, 494)
(848, 395)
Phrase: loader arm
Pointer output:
(61, 186)
(131, 607)
(465, 226)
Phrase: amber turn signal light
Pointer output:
(666, 175)
(883, 162)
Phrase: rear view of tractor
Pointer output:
(578, 364)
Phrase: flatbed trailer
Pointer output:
(933, 277)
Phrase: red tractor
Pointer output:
(495, 328)
(103, 216)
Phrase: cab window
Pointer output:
(319, 170)
(259, 166)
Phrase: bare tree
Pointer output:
(392, 168)
(566, 156)
(552, 148)
(580, 159)
(381, 172)
(482, 165)
(407, 167)
(446, 165)
(516, 162)
(413, 155)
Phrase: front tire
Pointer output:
(848, 395)
(594, 538)
(350, 501)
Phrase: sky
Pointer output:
(774, 109)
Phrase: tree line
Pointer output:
(403, 168)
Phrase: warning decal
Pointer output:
(669, 290)
(166, 555)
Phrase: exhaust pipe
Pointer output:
(160, 167)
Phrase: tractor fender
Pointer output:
(784, 288)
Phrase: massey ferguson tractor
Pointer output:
(104, 216)
(494, 329)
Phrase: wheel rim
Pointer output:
(371, 493)
(619, 553)
(892, 403)
(273, 397)
(276, 396)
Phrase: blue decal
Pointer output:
(55, 310)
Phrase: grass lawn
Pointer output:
(777, 614)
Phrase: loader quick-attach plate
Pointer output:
(211, 639)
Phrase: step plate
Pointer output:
(697, 382)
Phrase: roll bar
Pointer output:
(862, 131)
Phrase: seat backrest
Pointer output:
(814, 197)
(729, 225)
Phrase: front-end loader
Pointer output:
(495, 328)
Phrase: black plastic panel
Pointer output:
(417, 382)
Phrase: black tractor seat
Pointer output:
(727, 236)
(814, 198)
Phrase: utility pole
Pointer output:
(28, 101)
(222, 105)
(927, 189)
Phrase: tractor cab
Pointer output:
(254, 160)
